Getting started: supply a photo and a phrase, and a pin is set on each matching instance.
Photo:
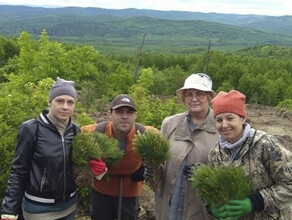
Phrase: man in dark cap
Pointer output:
(41, 180)
(116, 197)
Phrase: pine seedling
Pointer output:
(217, 185)
(153, 148)
(85, 148)
(111, 152)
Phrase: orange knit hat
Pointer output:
(233, 102)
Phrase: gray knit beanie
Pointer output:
(62, 87)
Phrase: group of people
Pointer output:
(213, 130)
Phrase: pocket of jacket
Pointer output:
(43, 179)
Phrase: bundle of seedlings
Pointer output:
(111, 152)
(216, 186)
(153, 148)
(91, 146)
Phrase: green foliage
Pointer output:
(111, 152)
(83, 201)
(285, 105)
(146, 79)
(218, 185)
(87, 146)
(142, 100)
(120, 80)
(83, 119)
(153, 148)
(160, 108)
(7, 145)
(168, 80)
(8, 49)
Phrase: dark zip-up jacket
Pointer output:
(42, 164)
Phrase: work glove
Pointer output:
(238, 208)
(142, 173)
(9, 217)
(218, 212)
(98, 168)
(233, 209)
(189, 169)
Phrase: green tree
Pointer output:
(19, 101)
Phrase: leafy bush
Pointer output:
(83, 119)
(285, 105)
(218, 185)
(7, 146)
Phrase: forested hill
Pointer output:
(121, 31)
(276, 24)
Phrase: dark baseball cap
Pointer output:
(123, 100)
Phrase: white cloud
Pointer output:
(262, 7)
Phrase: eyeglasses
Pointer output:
(198, 94)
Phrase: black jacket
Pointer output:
(42, 165)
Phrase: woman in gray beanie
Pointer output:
(41, 179)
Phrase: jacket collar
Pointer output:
(183, 131)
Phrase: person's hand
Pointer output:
(189, 169)
(8, 217)
(233, 209)
(218, 212)
(98, 168)
(238, 208)
(142, 173)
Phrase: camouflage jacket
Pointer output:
(267, 160)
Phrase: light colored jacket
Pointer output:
(195, 147)
(270, 164)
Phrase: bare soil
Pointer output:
(269, 119)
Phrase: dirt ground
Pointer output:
(269, 119)
(264, 118)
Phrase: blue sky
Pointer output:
(259, 7)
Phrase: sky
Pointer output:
(257, 7)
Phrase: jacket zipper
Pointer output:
(43, 180)
(64, 167)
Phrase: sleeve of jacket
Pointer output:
(164, 127)
(214, 156)
(19, 170)
(88, 128)
(151, 128)
(278, 162)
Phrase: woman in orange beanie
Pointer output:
(261, 155)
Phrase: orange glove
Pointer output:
(98, 168)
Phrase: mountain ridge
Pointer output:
(170, 31)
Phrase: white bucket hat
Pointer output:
(199, 81)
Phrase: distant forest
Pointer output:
(122, 31)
